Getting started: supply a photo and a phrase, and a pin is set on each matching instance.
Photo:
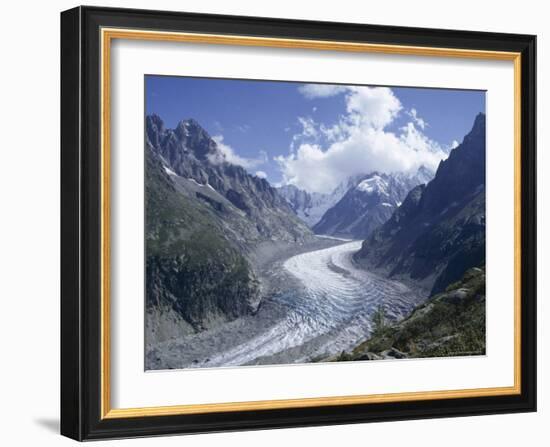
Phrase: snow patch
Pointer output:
(169, 171)
(373, 184)
(326, 236)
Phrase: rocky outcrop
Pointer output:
(451, 323)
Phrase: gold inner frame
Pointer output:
(107, 35)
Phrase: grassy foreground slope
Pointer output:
(451, 323)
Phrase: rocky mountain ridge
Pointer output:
(310, 207)
(439, 230)
(191, 154)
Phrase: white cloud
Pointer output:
(310, 132)
(323, 156)
(417, 120)
(308, 127)
(416, 140)
(227, 154)
(374, 106)
(312, 91)
(260, 174)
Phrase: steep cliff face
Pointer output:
(439, 230)
(195, 277)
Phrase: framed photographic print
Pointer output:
(275, 223)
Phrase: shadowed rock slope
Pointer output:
(439, 230)
(195, 276)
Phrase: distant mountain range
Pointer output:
(439, 230)
(311, 207)
(368, 203)
(357, 206)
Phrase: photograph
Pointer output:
(297, 222)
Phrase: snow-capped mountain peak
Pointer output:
(369, 203)
(343, 212)
(373, 184)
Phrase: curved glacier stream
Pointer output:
(328, 309)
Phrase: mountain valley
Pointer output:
(240, 272)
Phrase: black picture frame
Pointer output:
(81, 392)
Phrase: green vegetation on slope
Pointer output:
(451, 323)
(192, 268)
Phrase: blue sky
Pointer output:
(288, 130)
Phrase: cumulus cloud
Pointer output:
(323, 156)
(417, 120)
(375, 107)
(312, 91)
(309, 132)
(260, 174)
(227, 154)
(418, 142)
